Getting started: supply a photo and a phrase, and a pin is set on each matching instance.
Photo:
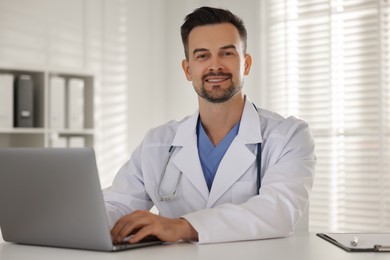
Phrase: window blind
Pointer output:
(111, 56)
(329, 64)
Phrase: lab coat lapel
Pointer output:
(238, 157)
(237, 160)
(187, 158)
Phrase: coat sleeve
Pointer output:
(288, 161)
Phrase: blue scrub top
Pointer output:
(210, 155)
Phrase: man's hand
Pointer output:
(141, 224)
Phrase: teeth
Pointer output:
(215, 80)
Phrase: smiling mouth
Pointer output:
(216, 78)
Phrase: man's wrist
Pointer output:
(188, 231)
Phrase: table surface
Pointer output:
(300, 246)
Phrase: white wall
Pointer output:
(158, 89)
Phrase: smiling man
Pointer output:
(230, 172)
(217, 84)
(216, 65)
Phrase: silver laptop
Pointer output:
(52, 197)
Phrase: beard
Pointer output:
(218, 94)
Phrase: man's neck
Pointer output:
(219, 118)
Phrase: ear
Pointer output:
(186, 68)
(248, 63)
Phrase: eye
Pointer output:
(227, 53)
(202, 56)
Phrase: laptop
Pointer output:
(53, 197)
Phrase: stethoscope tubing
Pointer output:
(173, 194)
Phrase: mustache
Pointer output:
(216, 74)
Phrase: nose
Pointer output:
(215, 64)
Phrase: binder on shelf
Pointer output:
(76, 142)
(58, 142)
(57, 102)
(6, 101)
(24, 101)
(75, 104)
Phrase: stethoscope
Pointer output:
(172, 195)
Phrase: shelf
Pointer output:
(22, 130)
(73, 132)
(43, 133)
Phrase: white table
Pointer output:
(302, 246)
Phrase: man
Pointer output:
(203, 173)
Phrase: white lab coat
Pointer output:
(231, 211)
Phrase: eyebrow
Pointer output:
(199, 50)
(230, 46)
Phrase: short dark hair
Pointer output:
(207, 16)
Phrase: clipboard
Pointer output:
(359, 242)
